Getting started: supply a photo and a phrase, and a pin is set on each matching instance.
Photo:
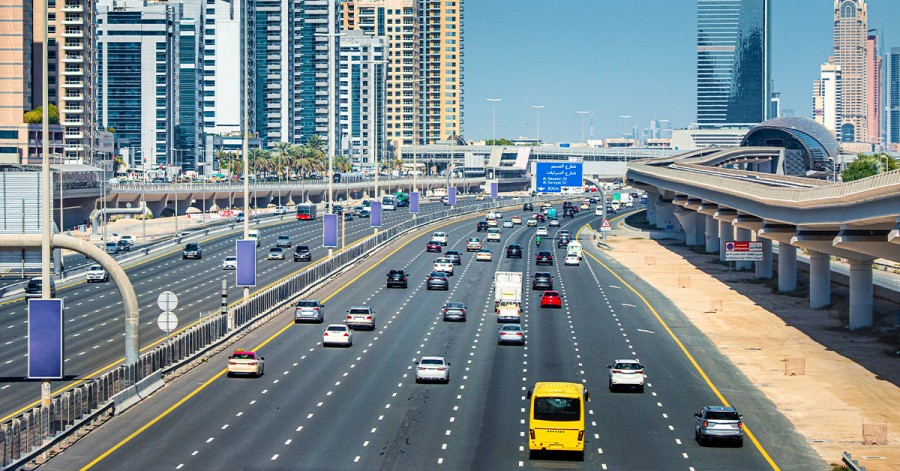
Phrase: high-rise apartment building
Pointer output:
(71, 67)
(850, 43)
(16, 27)
(138, 74)
(272, 70)
(397, 23)
(188, 138)
(733, 62)
(873, 88)
(441, 69)
(827, 92)
(308, 103)
(361, 99)
(892, 98)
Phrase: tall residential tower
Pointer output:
(441, 68)
(850, 42)
(892, 98)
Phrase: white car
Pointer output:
(492, 222)
(626, 373)
(280, 210)
(361, 317)
(97, 273)
(433, 369)
(493, 235)
(490, 215)
(473, 244)
(507, 224)
(440, 237)
(230, 263)
(553, 222)
(517, 220)
(483, 255)
(127, 238)
(337, 334)
(531, 222)
(572, 259)
(498, 215)
(445, 265)
(541, 231)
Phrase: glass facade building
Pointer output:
(733, 63)
(892, 97)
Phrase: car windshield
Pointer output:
(230, 259)
(275, 249)
(438, 274)
(396, 272)
(557, 408)
(192, 247)
(429, 361)
(722, 415)
(283, 237)
(302, 248)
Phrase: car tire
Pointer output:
(611, 387)
(740, 442)
(640, 389)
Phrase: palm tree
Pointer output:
(281, 150)
(317, 144)
(342, 164)
(259, 161)
(118, 163)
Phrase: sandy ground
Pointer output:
(850, 378)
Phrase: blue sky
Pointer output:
(622, 57)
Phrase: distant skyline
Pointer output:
(637, 59)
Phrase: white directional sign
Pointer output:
(167, 301)
(167, 322)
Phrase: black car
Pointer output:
(562, 242)
(514, 251)
(302, 254)
(123, 246)
(527, 207)
(592, 200)
(481, 226)
(542, 280)
(35, 287)
(544, 258)
(569, 212)
(337, 209)
(348, 216)
(437, 280)
(454, 257)
(192, 250)
(396, 279)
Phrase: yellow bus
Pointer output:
(556, 420)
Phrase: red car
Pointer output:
(551, 299)
(539, 217)
(433, 246)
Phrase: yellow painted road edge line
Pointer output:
(684, 349)
(274, 336)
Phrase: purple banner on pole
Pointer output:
(245, 274)
(493, 189)
(375, 216)
(45, 338)
(414, 202)
(329, 230)
(451, 195)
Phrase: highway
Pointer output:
(359, 408)
(94, 336)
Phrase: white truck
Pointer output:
(508, 295)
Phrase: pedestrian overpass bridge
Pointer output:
(859, 221)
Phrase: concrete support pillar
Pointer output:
(787, 267)
(764, 268)
(693, 225)
(819, 280)
(666, 219)
(726, 233)
(651, 208)
(712, 234)
(743, 235)
(860, 293)
(660, 212)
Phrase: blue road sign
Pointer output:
(375, 214)
(414, 202)
(556, 177)
(493, 189)
(45, 338)
(451, 195)
(329, 230)
(245, 274)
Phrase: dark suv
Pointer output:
(35, 285)
(302, 254)
(396, 279)
(481, 226)
(544, 258)
(562, 242)
(542, 280)
(514, 251)
(527, 207)
(192, 250)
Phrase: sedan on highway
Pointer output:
(511, 333)
(507, 224)
(718, 423)
(440, 237)
(544, 258)
(454, 256)
(572, 259)
(445, 265)
(553, 222)
(337, 334)
(245, 363)
(97, 273)
(437, 280)
(192, 250)
(541, 231)
(396, 279)
(230, 263)
(542, 280)
(493, 235)
(517, 220)
(309, 310)
(514, 251)
(433, 369)
(551, 299)
(302, 253)
(483, 255)
(275, 253)
(531, 222)
(454, 311)
(283, 241)
(481, 226)
(473, 244)
(361, 317)
(627, 373)
(433, 246)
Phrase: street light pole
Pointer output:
(331, 35)
(46, 233)
(494, 118)
(538, 109)
(245, 145)
(625, 117)
(582, 113)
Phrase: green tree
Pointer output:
(118, 164)
(864, 166)
(281, 150)
(342, 164)
(500, 142)
(36, 115)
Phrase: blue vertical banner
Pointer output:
(45, 339)
(329, 230)
(245, 274)
(494, 189)
(375, 216)
(451, 195)
(414, 202)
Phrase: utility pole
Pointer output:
(46, 233)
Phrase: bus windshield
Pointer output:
(557, 409)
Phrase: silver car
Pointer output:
(309, 310)
(718, 423)
(511, 333)
(454, 311)
(433, 369)
(275, 253)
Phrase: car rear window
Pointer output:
(454, 305)
(432, 362)
(551, 295)
(244, 356)
(359, 311)
(308, 304)
(628, 366)
(722, 415)
(336, 328)
(442, 260)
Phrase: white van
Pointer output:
(253, 235)
(575, 248)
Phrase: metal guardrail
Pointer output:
(41, 429)
(851, 463)
(289, 185)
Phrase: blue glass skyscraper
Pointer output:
(733, 71)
